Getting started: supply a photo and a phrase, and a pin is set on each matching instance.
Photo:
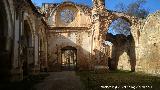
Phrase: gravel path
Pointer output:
(66, 80)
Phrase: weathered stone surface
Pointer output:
(22, 31)
(75, 34)
(148, 50)
(86, 32)
(145, 50)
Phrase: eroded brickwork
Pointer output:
(72, 36)
(148, 48)
(86, 32)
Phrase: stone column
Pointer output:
(98, 51)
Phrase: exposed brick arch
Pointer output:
(28, 20)
(81, 15)
(127, 23)
(109, 16)
(131, 19)
(28, 32)
(124, 18)
(79, 7)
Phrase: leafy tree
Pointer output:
(120, 26)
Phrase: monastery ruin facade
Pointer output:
(71, 36)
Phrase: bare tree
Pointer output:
(120, 26)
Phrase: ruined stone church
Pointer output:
(77, 35)
(70, 36)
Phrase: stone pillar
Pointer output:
(46, 55)
(98, 47)
(36, 67)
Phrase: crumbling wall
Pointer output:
(80, 18)
(69, 26)
(121, 57)
(141, 53)
(78, 40)
(87, 31)
(149, 45)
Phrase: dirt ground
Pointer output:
(66, 80)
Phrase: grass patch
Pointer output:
(123, 80)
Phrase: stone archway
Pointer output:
(27, 54)
(123, 49)
(68, 58)
(5, 58)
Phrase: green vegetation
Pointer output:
(122, 79)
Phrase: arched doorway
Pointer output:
(26, 54)
(69, 58)
(123, 48)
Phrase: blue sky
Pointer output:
(152, 5)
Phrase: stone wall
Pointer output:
(70, 26)
(144, 48)
(87, 31)
(122, 52)
(80, 17)
(78, 40)
(148, 56)
(19, 53)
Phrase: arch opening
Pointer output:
(27, 54)
(69, 58)
(120, 26)
(123, 48)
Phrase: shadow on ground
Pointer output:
(26, 84)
